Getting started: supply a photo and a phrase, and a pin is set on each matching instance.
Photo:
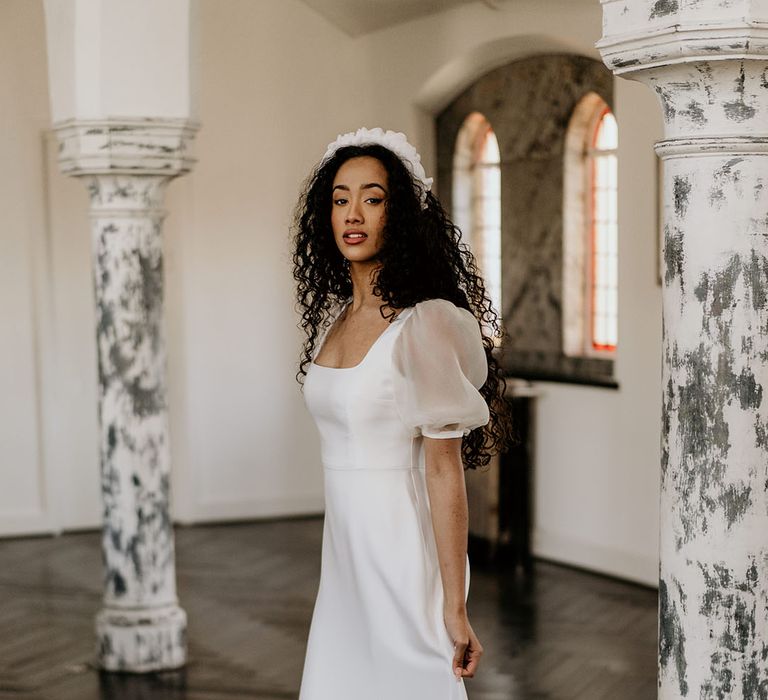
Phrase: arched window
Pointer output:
(604, 227)
(477, 198)
(590, 235)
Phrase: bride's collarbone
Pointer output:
(350, 339)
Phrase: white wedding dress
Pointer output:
(377, 630)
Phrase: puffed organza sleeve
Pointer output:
(439, 366)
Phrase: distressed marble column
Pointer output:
(126, 166)
(707, 61)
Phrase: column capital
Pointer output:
(130, 146)
(706, 62)
(626, 54)
(641, 34)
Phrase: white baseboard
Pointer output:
(39, 523)
(253, 508)
(604, 560)
(32, 523)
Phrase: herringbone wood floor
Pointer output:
(248, 590)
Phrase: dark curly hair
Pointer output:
(422, 257)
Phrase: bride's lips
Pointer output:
(354, 240)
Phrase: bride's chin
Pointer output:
(368, 260)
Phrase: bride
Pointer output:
(405, 392)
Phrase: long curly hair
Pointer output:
(422, 257)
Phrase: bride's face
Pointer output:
(360, 190)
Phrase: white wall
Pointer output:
(24, 301)
(277, 83)
(274, 78)
(48, 439)
(598, 451)
(96, 70)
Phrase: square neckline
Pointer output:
(370, 348)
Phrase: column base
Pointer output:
(141, 641)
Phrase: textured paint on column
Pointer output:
(141, 627)
(714, 574)
(707, 61)
(712, 98)
(138, 544)
(126, 164)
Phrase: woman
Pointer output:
(399, 381)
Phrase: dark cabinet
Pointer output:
(501, 496)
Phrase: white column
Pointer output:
(122, 98)
(125, 166)
(707, 60)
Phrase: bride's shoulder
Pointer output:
(439, 309)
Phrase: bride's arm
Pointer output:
(448, 504)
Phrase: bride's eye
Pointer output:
(341, 200)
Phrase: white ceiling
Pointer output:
(357, 17)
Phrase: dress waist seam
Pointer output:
(345, 468)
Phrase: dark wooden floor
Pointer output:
(249, 590)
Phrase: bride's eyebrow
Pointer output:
(367, 186)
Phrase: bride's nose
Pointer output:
(354, 213)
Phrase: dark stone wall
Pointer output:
(529, 103)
